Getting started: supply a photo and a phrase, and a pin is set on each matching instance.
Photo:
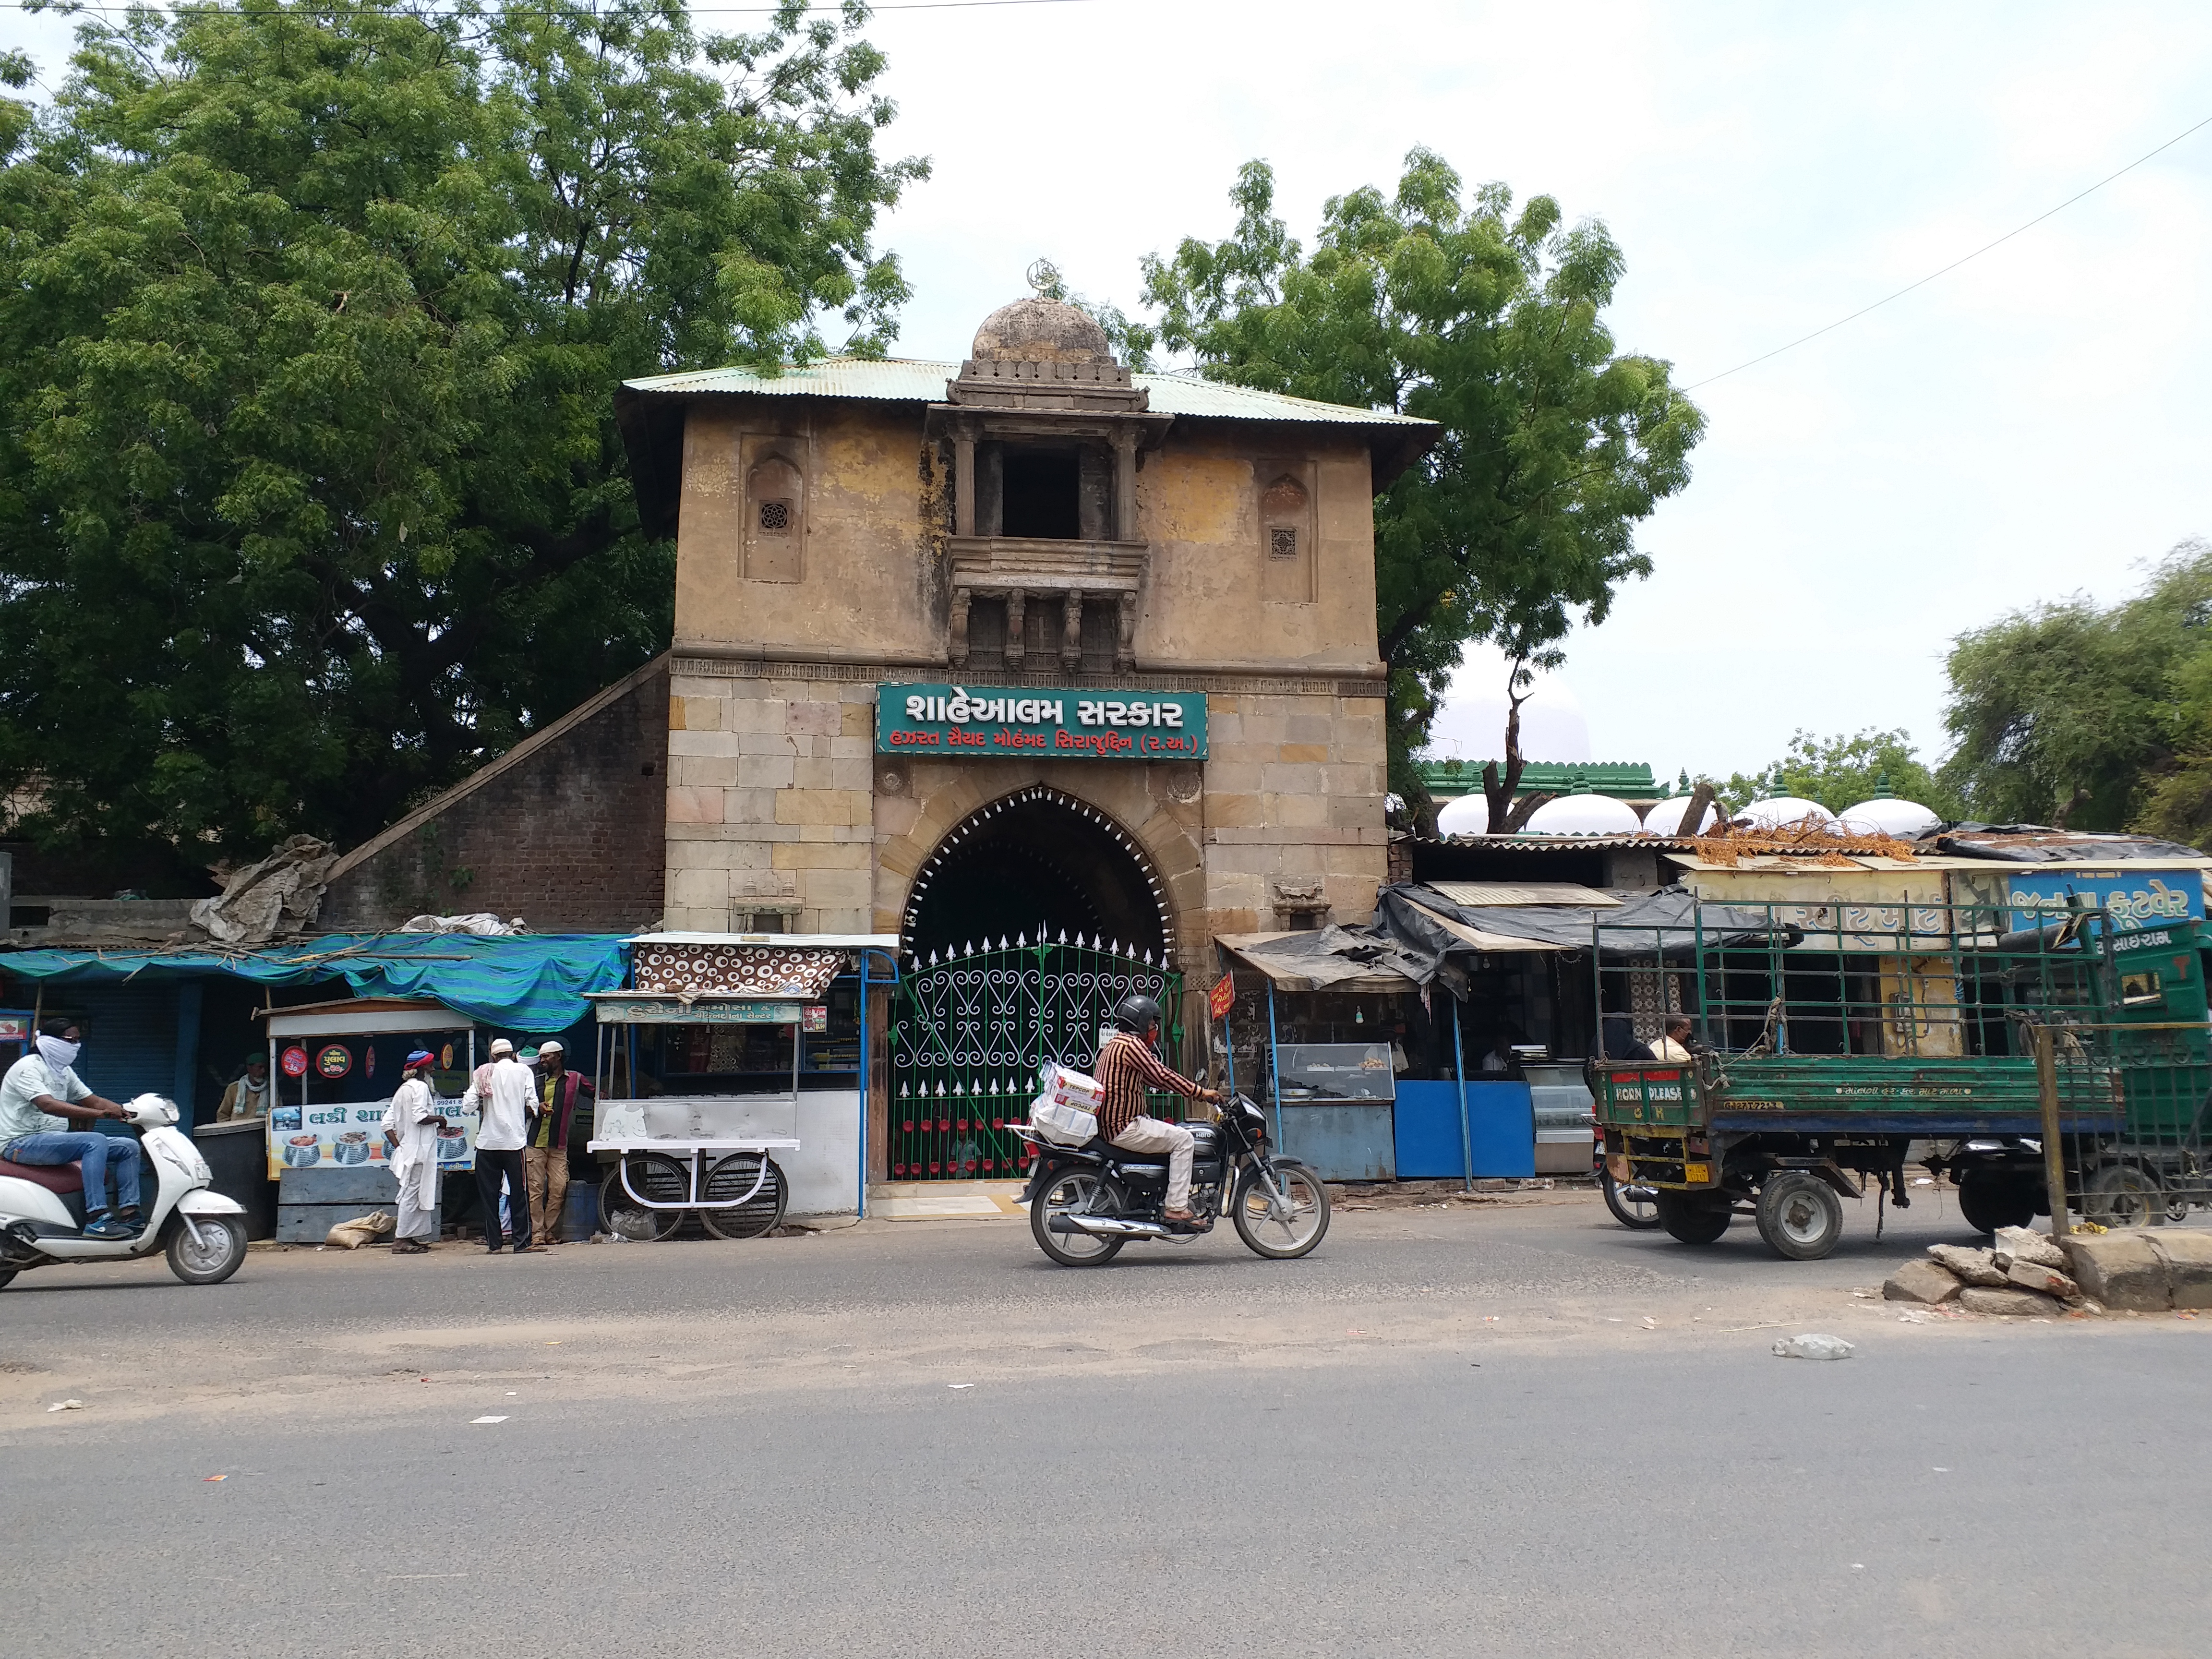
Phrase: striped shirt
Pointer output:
(1126, 1065)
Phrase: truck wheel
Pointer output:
(1693, 1220)
(1989, 1202)
(1799, 1216)
(2121, 1195)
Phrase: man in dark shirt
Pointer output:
(1126, 1065)
(545, 1160)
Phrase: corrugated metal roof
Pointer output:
(1476, 894)
(908, 379)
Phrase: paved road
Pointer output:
(1447, 1432)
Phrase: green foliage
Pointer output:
(1456, 307)
(1840, 772)
(2089, 718)
(311, 499)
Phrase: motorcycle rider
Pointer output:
(41, 1097)
(1126, 1065)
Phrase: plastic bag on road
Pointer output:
(1813, 1346)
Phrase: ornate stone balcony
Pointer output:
(1026, 571)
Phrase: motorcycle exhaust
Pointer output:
(1106, 1226)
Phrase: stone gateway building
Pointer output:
(1029, 643)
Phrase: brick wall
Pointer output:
(565, 830)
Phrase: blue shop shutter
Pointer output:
(129, 1038)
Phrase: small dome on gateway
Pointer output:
(1041, 331)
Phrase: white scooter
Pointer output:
(42, 1209)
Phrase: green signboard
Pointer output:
(1075, 724)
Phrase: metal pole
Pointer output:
(1274, 1062)
(2054, 1154)
(860, 1174)
(1459, 1066)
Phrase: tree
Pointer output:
(1454, 308)
(311, 499)
(2083, 717)
(1840, 772)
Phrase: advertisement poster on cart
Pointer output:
(350, 1134)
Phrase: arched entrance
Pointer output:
(1034, 917)
(1036, 863)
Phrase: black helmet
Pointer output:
(1137, 1013)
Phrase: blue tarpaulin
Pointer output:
(529, 982)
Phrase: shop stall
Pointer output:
(336, 1066)
(732, 1077)
(1364, 1066)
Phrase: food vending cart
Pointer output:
(732, 1081)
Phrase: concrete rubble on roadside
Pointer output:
(2025, 1273)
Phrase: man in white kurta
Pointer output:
(412, 1123)
(505, 1093)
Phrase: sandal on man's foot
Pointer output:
(410, 1247)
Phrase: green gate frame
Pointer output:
(970, 1028)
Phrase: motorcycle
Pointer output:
(1086, 1202)
(42, 1209)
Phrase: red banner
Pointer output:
(1222, 998)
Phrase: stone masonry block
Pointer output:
(693, 805)
(702, 743)
(2188, 1259)
(702, 771)
(1235, 777)
(699, 889)
(751, 806)
(695, 713)
(856, 775)
(2121, 1270)
(1311, 729)
(858, 720)
(753, 714)
(1316, 752)
(823, 855)
(1291, 780)
(764, 772)
(766, 743)
(849, 747)
(1244, 811)
(1920, 1281)
(1222, 730)
(1300, 811)
(825, 719)
(812, 773)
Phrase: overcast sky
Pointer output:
(2030, 426)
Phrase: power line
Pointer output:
(1954, 265)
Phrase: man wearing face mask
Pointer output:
(40, 1098)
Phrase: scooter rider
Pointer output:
(1126, 1065)
(40, 1098)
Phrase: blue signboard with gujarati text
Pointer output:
(1074, 724)
(2135, 898)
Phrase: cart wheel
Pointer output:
(2124, 1195)
(1989, 1202)
(654, 1176)
(1632, 1205)
(732, 1177)
(1799, 1216)
(1693, 1220)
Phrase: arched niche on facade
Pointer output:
(776, 519)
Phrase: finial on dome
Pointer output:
(1045, 281)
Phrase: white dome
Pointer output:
(1666, 818)
(1780, 811)
(1584, 815)
(1468, 816)
(1886, 815)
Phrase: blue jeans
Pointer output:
(96, 1152)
